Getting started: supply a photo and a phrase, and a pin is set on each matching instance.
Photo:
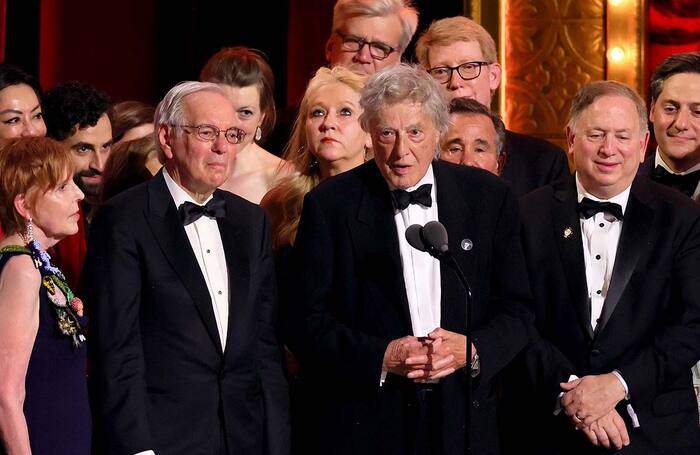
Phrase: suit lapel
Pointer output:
(238, 266)
(375, 220)
(635, 230)
(170, 234)
(455, 214)
(567, 234)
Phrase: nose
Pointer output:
(681, 121)
(99, 158)
(363, 55)
(220, 144)
(328, 123)
(455, 82)
(468, 159)
(606, 148)
(79, 195)
(29, 130)
(400, 148)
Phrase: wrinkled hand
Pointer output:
(589, 398)
(407, 355)
(447, 345)
(608, 431)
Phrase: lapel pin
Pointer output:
(567, 232)
(466, 244)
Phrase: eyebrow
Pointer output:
(17, 111)
(108, 143)
(481, 141)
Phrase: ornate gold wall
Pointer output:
(549, 49)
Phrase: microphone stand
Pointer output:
(468, 290)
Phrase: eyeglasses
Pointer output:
(378, 50)
(467, 71)
(209, 133)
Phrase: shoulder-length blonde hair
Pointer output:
(284, 202)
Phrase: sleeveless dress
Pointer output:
(56, 405)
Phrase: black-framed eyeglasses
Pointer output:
(378, 50)
(467, 71)
(209, 133)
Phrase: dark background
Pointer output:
(138, 49)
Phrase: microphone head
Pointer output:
(414, 238)
(435, 236)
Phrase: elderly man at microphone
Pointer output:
(378, 325)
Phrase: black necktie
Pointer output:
(686, 184)
(421, 195)
(189, 212)
(587, 208)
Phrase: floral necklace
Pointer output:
(67, 306)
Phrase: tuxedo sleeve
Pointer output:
(112, 284)
(509, 324)
(274, 384)
(344, 354)
(671, 352)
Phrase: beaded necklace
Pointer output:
(67, 306)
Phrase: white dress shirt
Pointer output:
(205, 239)
(658, 161)
(421, 271)
(600, 235)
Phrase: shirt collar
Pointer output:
(659, 161)
(178, 194)
(621, 199)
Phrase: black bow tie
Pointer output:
(189, 212)
(686, 184)
(587, 208)
(421, 195)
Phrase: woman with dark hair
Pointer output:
(130, 163)
(247, 78)
(131, 120)
(43, 391)
(20, 104)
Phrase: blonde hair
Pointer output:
(284, 202)
(451, 30)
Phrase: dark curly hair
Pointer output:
(12, 75)
(72, 105)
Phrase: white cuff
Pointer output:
(624, 384)
(382, 379)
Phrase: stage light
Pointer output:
(616, 54)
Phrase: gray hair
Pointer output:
(404, 83)
(597, 89)
(469, 106)
(170, 110)
(403, 9)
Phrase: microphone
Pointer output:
(433, 239)
(414, 236)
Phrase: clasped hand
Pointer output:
(590, 404)
(439, 354)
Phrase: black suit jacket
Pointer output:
(532, 163)
(650, 325)
(160, 379)
(351, 302)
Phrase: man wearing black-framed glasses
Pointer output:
(461, 55)
(370, 35)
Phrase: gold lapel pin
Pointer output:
(567, 232)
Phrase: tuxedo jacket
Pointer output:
(159, 377)
(351, 302)
(532, 163)
(649, 329)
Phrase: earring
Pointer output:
(29, 233)
(258, 133)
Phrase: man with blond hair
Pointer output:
(461, 55)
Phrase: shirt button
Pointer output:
(597, 256)
(597, 292)
(208, 251)
(222, 292)
(602, 225)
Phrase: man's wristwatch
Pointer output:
(475, 366)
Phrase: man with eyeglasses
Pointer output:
(461, 55)
(369, 35)
(184, 356)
